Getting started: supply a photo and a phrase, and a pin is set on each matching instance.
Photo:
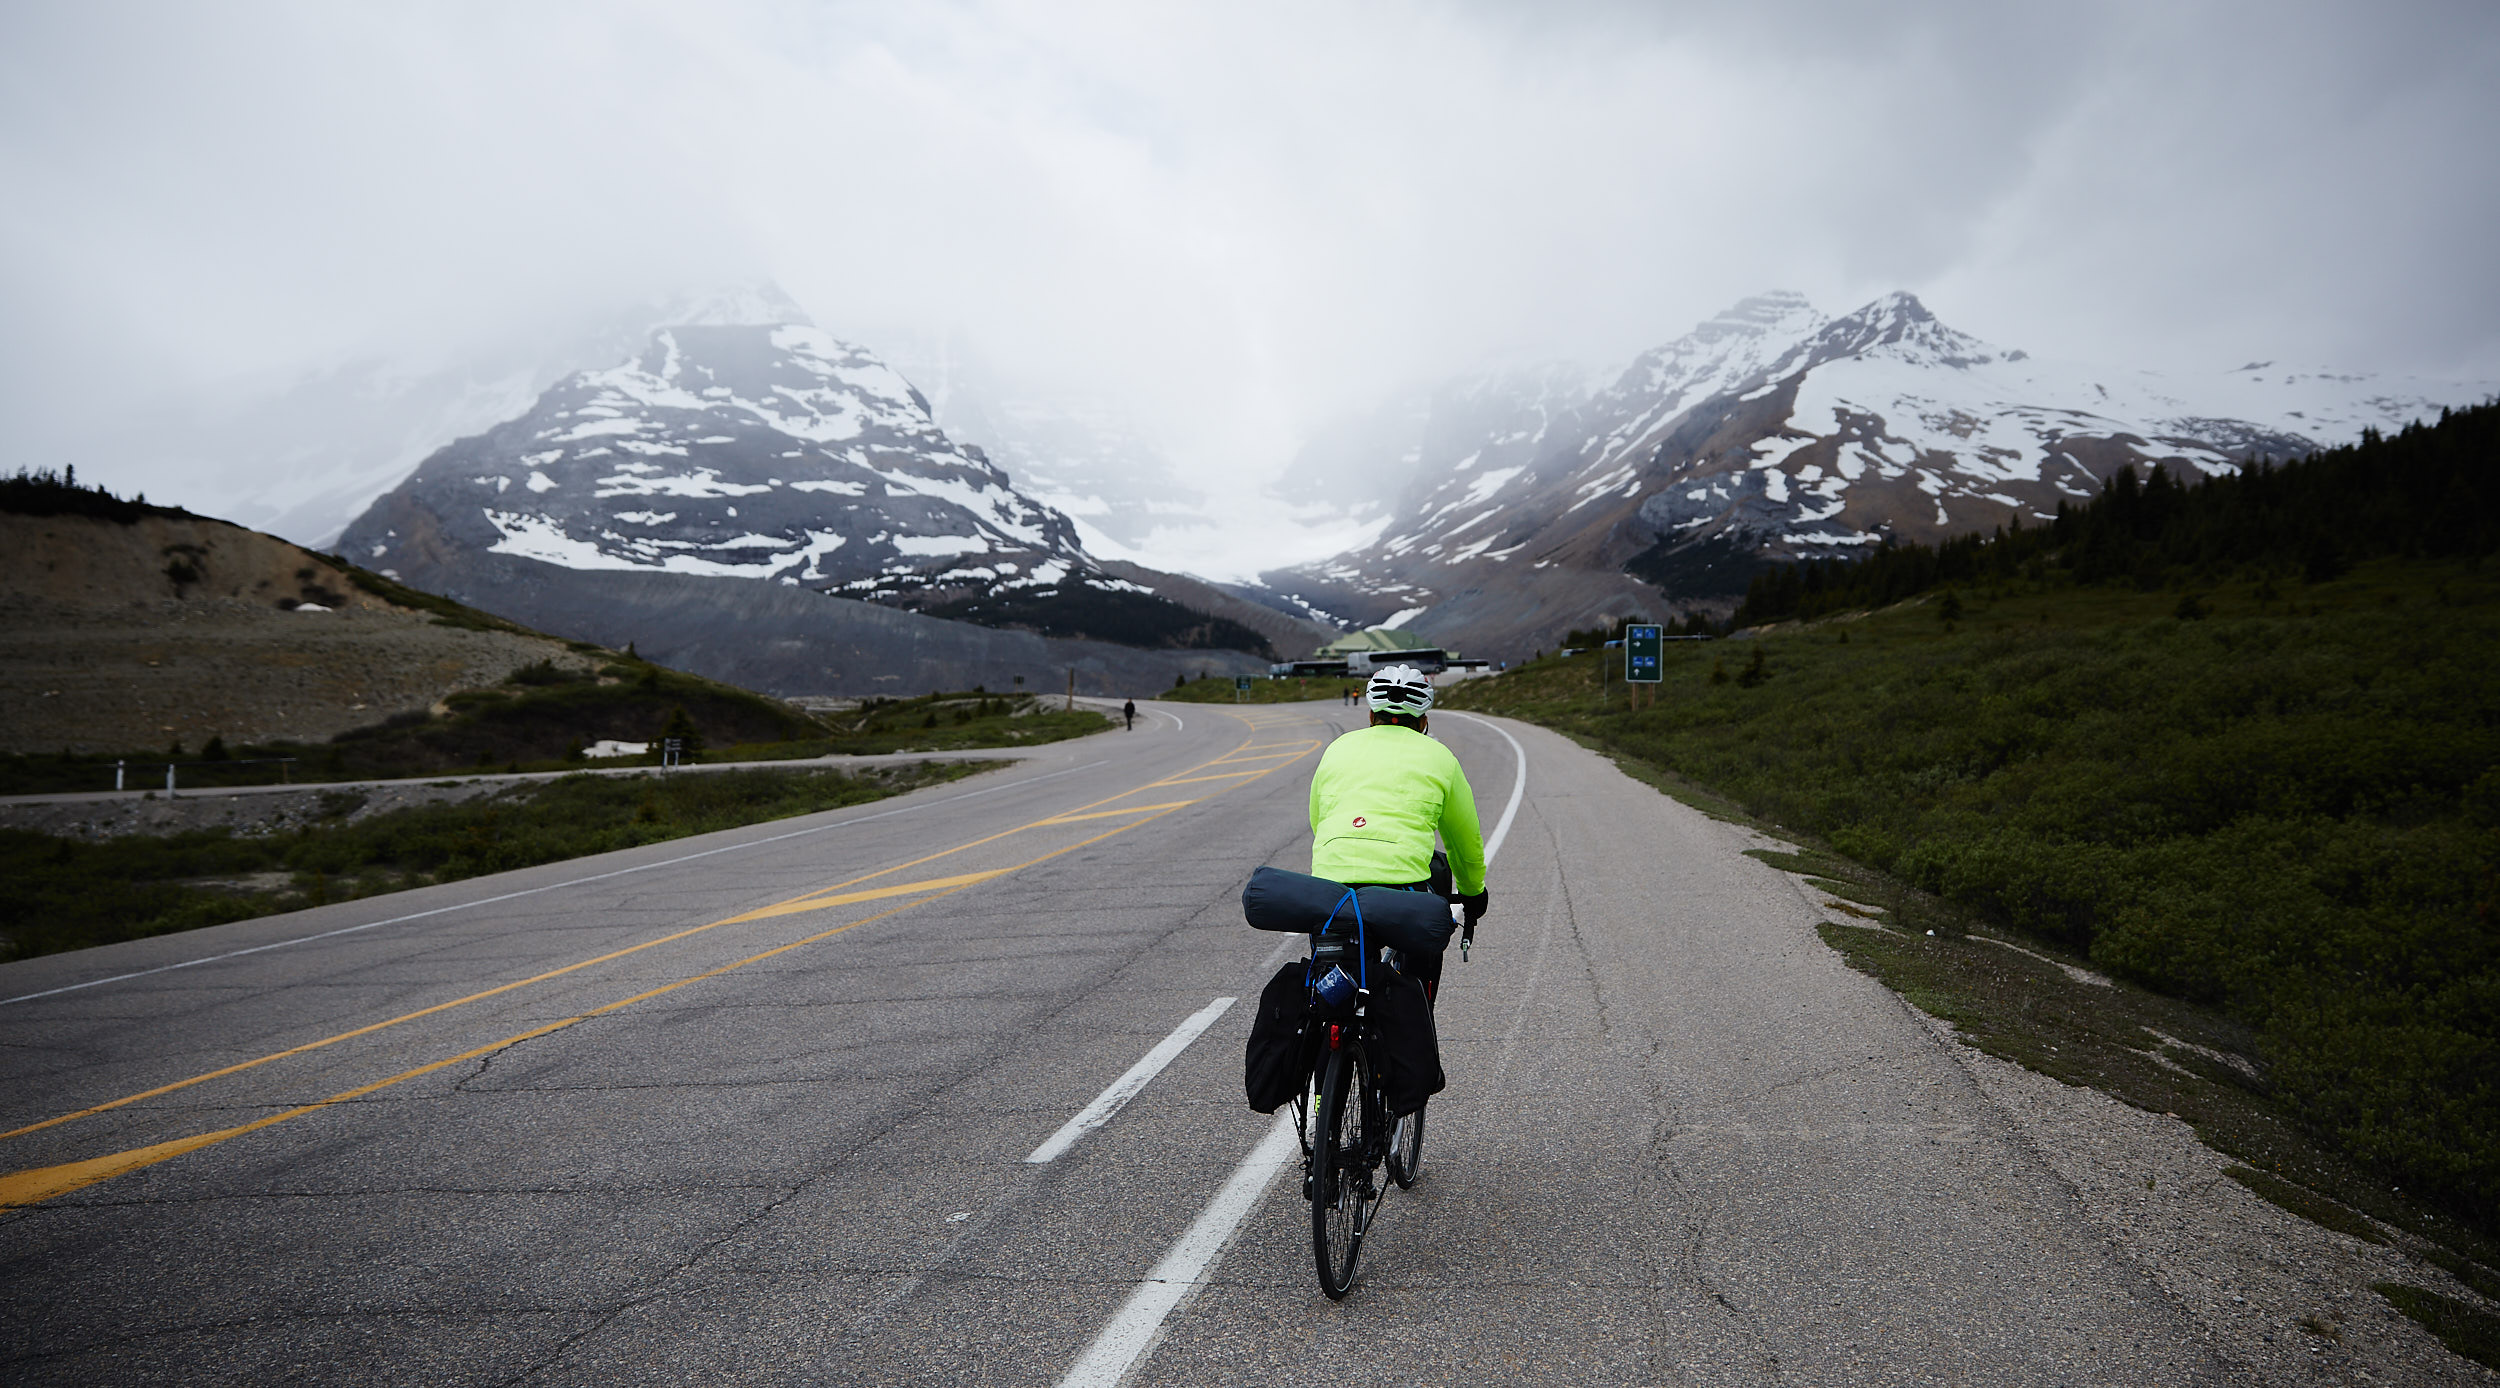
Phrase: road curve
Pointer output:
(758, 1107)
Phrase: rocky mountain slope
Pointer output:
(1771, 433)
(788, 641)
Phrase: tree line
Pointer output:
(2429, 490)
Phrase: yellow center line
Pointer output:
(43, 1183)
(1021, 828)
(38, 1184)
(819, 903)
(1262, 756)
(822, 897)
(1114, 814)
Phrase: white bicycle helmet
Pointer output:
(1401, 689)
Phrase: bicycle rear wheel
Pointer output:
(1342, 1192)
(1406, 1150)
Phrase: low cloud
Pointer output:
(1236, 221)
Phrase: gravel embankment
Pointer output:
(254, 812)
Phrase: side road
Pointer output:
(837, 761)
(495, 778)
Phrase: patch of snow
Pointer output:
(540, 538)
(599, 428)
(941, 544)
(627, 481)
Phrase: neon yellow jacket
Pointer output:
(1377, 797)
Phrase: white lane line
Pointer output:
(533, 891)
(1125, 1088)
(1133, 1332)
(1518, 783)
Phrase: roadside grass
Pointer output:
(2468, 1330)
(1218, 689)
(935, 722)
(2275, 824)
(544, 716)
(66, 894)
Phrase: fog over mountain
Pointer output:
(261, 260)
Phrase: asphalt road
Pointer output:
(757, 1107)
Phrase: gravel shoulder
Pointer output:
(2282, 1300)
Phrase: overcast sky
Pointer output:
(1235, 219)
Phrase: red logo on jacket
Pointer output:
(1358, 821)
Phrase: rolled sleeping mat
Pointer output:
(1416, 922)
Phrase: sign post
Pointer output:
(1641, 663)
(1241, 688)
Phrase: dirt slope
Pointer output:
(120, 636)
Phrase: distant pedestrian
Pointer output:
(1128, 710)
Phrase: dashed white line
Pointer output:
(1133, 1331)
(1125, 1088)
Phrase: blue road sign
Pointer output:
(1640, 655)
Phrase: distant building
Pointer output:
(1367, 642)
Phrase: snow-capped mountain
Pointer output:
(303, 455)
(743, 442)
(1772, 433)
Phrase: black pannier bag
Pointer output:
(1407, 1050)
(1415, 922)
(1277, 1063)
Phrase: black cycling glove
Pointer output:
(1473, 907)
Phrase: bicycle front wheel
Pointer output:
(1342, 1196)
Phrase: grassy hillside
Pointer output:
(2273, 794)
(224, 625)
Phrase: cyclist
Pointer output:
(1379, 795)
